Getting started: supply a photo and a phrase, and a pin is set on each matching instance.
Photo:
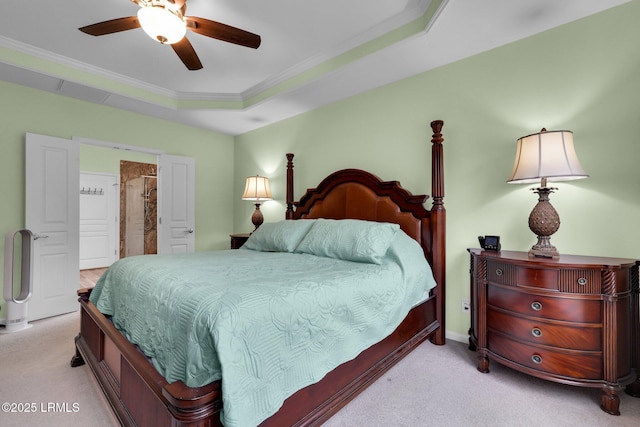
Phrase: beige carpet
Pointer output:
(432, 386)
(35, 370)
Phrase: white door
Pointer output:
(52, 214)
(176, 204)
(99, 229)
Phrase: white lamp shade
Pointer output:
(547, 154)
(257, 188)
(161, 24)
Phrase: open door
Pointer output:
(176, 204)
(52, 213)
(52, 178)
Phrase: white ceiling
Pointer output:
(312, 52)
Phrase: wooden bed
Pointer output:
(140, 396)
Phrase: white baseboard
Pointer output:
(450, 335)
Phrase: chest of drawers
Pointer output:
(574, 319)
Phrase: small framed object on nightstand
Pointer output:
(490, 243)
(238, 240)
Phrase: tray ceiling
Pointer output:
(312, 53)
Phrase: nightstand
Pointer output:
(238, 240)
(573, 320)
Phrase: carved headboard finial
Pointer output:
(437, 170)
(436, 125)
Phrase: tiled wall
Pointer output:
(130, 170)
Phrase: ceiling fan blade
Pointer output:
(222, 32)
(112, 26)
(187, 54)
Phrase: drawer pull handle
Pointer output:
(582, 281)
(537, 359)
(499, 272)
(537, 306)
(536, 332)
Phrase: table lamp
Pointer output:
(545, 156)
(257, 189)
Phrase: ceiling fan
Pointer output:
(164, 21)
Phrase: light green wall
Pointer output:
(28, 110)
(582, 76)
(107, 160)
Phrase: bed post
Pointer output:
(438, 227)
(289, 201)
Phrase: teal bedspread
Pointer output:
(266, 323)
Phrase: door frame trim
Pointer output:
(117, 145)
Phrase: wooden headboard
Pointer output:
(357, 194)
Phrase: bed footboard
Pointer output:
(138, 394)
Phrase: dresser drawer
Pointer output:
(563, 308)
(566, 363)
(574, 336)
(585, 281)
(511, 274)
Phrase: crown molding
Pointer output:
(48, 56)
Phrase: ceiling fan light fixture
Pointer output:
(162, 24)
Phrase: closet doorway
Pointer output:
(166, 202)
(52, 207)
(98, 162)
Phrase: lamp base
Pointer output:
(257, 219)
(544, 221)
(544, 248)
